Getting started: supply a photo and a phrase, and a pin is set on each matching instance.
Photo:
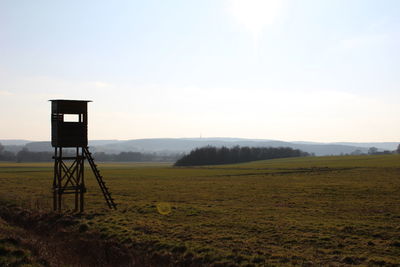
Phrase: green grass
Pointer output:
(13, 252)
(315, 210)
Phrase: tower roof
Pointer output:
(69, 100)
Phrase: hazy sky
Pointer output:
(289, 70)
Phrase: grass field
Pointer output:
(298, 211)
(13, 252)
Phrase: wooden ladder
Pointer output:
(99, 178)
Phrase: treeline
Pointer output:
(212, 155)
(135, 157)
(6, 155)
(29, 156)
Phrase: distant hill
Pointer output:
(172, 145)
(179, 145)
(46, 146)
(39, 146)
(14, 142)
(383, 145)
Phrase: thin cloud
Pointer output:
(5, 93)
(369, 40)
(102, 84)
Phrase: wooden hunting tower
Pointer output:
(69, 123)
(69, 127)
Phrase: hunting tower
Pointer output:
(69, 127)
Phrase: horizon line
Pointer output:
(244, 138)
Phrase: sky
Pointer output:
(290, 70)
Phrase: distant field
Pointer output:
(297, 211)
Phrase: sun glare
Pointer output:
(255, 15)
